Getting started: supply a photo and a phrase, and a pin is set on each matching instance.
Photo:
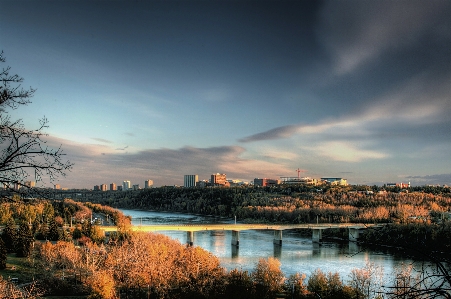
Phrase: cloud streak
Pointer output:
(102, 140)
(276, 133)
(420, 101)
(376, 27)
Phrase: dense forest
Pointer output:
(292, 204)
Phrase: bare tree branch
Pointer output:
(25, 155)
(13, 96)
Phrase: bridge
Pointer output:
(353, 229)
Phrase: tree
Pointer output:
(53, 233)
(239, 285)
(295, 285)
(268, 277)
(9, 235)
(25, 240)
(102, 285)
(425, 282)
(367, 281)
(3, 255)
(328, 286)
(24, 153)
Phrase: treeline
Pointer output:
(429, 242)
(119, 219)
(293, 204)
(52, 220)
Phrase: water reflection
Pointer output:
(316, 249)
(353, 248)
(235, 251)
(277, 251)
(297, 253)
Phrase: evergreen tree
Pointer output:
(3, 255)
(76, 234)
(9, 235)
(24, 240)
(53, 232)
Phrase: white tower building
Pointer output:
(190, 180)
(126, 185)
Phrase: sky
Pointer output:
(138, 90)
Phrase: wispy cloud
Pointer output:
(102, 140)
(346, 152)
(122, 148)
(359, 32)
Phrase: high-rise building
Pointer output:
(57, 187)
(126, 185)
(219, 179)
(103, 187)
(148, 184)
(136, 187)
(113, 187)
(190, 180)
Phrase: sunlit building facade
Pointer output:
(148, 184)
(219, 179)
(126, 185)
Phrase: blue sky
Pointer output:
(138, 90)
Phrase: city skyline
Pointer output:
(159, 89)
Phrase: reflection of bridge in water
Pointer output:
(353, 229)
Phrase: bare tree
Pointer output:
(429, 281)
(25, 155)
(430, 275)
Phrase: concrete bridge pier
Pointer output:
(277, 251)
(236, 238)
(189, 238)
(353, 234)
(277, 237)
(317, 235)
(235, 251)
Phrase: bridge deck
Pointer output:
(238, 227)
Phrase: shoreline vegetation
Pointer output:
(53, 248)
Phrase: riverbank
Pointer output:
(297, 253)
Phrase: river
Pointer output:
(297, 253)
